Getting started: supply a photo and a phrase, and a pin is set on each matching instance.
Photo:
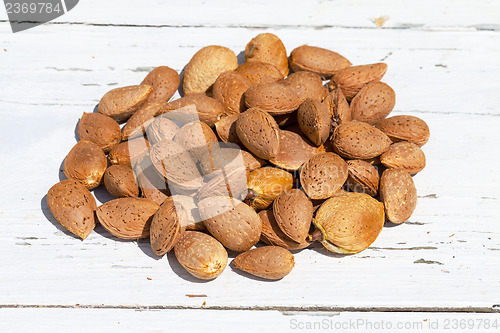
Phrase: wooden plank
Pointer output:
(185, 320)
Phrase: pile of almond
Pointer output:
(250, 153)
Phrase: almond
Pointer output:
(161, 128)
(230, 183)
(153, 186)
(273, 235)
(120, 181)
(175, 163)
(127, 218)
(306, 85)
(201, 255)
(205, 66)
(196, 138)
(85, 163)
(258, 131)
(228, 157)
(121, 103)
(165, 82)
(166, 228)
(358, 140)
(140, 120)
(73, 206)
(405, 128)
(231, 222)
(209, 110)
(294, 151)
(260, 72)
(314, 59)
(323, 175)
(349, 223)
(191, 220)
(129, 152)
(315, 121)
(99, 129)
(268, 48)
(229, 89)
(274, 98)
(338, 106)
(399, 195)
(373, 102)
(226, 129)
(265, 185)
(352, 79)
(268, 262)
(293, 212)
(363, 177)
(404, 155)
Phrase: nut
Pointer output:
(120, 181)
(140, 120)
(129, 152)
(293, 212)
(268, 48)
(373, 102)
(363, 177)
(85, 163)
(196, 137)
(121, 103)
(273, 235)
(399, 195)
(405, 156)
(229, 89)
(166, 228)
(314, 59)
(265, 185)
(405, 128)
(99, 129)
(209, 110)
(358, 140)
(260, 72)
(226, 129)
(268, 262)
(338, 106)
(258, 131)
(274, 98)
(315, 121)
(306, 85)
(352, 79)
(165, 82)
(294, 151)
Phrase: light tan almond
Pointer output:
(295, 150)
(231, 222)
(129, 152)
(229, 89)
(121, 103)
(86, 163)
(323, 175)
(405, 128)
(373, 102)
(73, 206)
(293, 212)
(267, 47)
(205, 66)
(265, 185)
(209, 110)
(153, 186)
(274, 98)
(120, 181)
(166, 228)
(338, 106)
(165, 82)
(230, 183)
(191, 220)
(127, 218)
(260, 72)
(352, 79)
(196, 137)
(268, 262)
(315, 121)
(358, 140)
(99, 129)
(399, 195)
(201, 255)
(258, 131)
(363, 177)
(140, 120)
(314, 59)
(306, 85)
(273, 235)
(405, 156)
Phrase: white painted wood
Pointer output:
(446, 256)
(138, 320)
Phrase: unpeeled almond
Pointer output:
(268, 48)
(268, 262)
(166, 227)
(121, 103)
(317, 60)
(266, 184)
(165, 82)
(373, 102)
(137, 124)
(293, 212)
(405, 128)
(352, 79)
(314, 120)
(363, 177)
(229, 88)
(294, 150)
(338, 106)
(274, 98)
(86, 163)
(120, 181)
(260, 72)
(99, 129)
(399, 195)
(306, 85)
(273, 235)
(405, 156)
(258, 131)
(209, 109)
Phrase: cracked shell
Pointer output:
(86, 163)
(338, 106)
(399, 195)
(294, 151)
(268, 262)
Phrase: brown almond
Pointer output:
(258, 131)
(99, 129)
(166, 228)
(405, 156)
(73, 206)
(86, 163)
(120, 181)
(315, 121)
(260, 72)
(196, 137)
(399, 195)
(127, 218)
(201, 255)
(140, 120)
(153, 186)
(306, 85)
(267, 47)
(265, 185)
(363, 177)
(338, 106)
(314, 59)
(121, 103)
(358, 140)
(209, 109)
(294, 151)
(350, 222)
(229, 89)
(373, 102)
(405, 128)
(323, 175)
(129, 152)
(274, 98)
(175, 163)
(293, 212)
(205, 66)
(273, 235)
(268, 262)
(165, 82)
(226, 129)
(231, 222)
(352, 79)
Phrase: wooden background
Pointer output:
(442, 265)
